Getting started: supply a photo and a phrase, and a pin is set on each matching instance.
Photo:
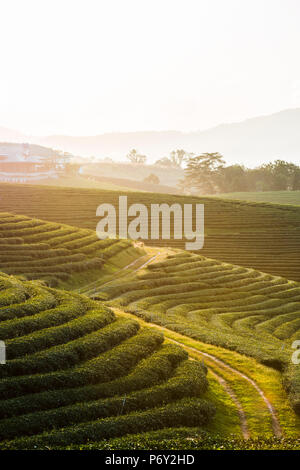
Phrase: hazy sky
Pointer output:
(85, 67)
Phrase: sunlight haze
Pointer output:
(90, 67)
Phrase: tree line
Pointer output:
(208, 173)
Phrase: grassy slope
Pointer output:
(226, 422)
(80, 182)
(275, 197)
(188, 439)
(167, 176)
(132, 185)
(292, 219)
(236, 232)
(231, 307)
(60, 254)
(104, 183)
(71, 362)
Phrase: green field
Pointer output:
(57, 390)
(59, 254)
(265, 237)
(77, 372)
(232, 307)
(104, 183)
(275, 197)
(136, 173)
(76, 181)
(101, 362)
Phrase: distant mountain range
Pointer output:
(250, 142)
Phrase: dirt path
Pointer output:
(218, 362)
(147, 262)
(225, 385)
(95, 284)
(230, 392)
(222, 365)
(275, 423)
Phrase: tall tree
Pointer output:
(179, 156)
(282, 175)
(232, 178)
(135, 157)
(295, 183)
(175, 160)
(202, 172)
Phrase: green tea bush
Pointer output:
(187, 412)
(53, 336)
(69, 306)
(188, 381)
(71, 353)
(38, 301)
(114, 363)
(155, 368)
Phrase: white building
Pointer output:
(23, 163)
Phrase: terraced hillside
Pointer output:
(76, 372)
(261, 236)
(232, 307)
(57, 253)
(56, 392)
(275, 197)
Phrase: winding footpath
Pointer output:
(96, 285)
(275, 423)
(213, 360)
